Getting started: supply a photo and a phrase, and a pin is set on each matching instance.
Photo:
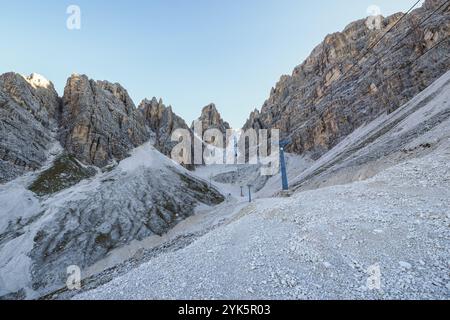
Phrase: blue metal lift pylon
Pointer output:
(284, 178)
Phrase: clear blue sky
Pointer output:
(189, 52)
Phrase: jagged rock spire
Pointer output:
(99, 121)
(317, 106)
(211, 119)
(162, 121)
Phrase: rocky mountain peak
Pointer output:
(39, 99)
(46, 93)
(118, 92)
(317, 106)
(28, 112)
(38, 81)
(153, 111)
(99, 121)
(431, 4)
(211, 119)
(162, 121)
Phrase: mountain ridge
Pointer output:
(95, 121)
(316, 108)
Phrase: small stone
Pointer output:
(405, 265)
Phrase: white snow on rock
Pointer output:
(38, 81)
(41, 236)
(145, 156)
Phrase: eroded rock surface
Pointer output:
(317, 106)
(29, 107)
(163, 122)
(145, 195)
(99, 121)
(210, 118)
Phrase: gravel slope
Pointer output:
(320, 244)
(317, 245)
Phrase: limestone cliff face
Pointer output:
(163, 122)
(99, 121)
(210, 118)
(29, 107)
(46, 94)
(317, 106)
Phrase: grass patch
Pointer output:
(202, 190)
(65, 173)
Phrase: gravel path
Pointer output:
(317, 245)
